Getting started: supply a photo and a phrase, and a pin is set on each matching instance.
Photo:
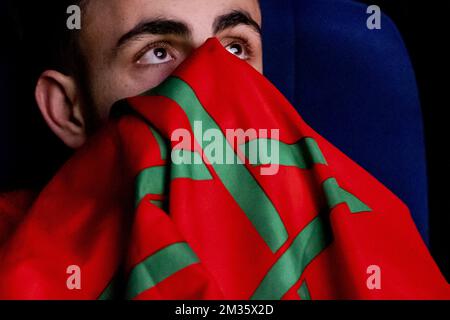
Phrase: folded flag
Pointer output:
(211, 186)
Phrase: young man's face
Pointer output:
(133, 45)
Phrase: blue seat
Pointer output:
(353, 85)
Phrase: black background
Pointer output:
(425, 27)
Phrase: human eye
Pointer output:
(154, 55)
(239, 48)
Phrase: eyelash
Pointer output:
(243, 41)
(166, 45)
(153, 45)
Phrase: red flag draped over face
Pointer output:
(141, 212)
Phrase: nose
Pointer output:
(200, 34)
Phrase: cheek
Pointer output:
(113, 87)
(257, 61)
(258, 64)
(144, 78)
(149, 77)
(105, 94)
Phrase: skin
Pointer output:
(132, 45)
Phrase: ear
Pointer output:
(59, 100)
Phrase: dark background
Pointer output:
(425, 27)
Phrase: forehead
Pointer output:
(106, 21)
(111, 18)
(139, 8)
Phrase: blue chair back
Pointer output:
(353, 85)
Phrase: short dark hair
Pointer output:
(37, 39)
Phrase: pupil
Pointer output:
(236, 49)
(160, 53)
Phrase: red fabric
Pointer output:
(13, 206)
(86, 215)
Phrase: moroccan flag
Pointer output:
(211, 186)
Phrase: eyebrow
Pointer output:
(233, 19)
(161, 26)
(156, 27)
